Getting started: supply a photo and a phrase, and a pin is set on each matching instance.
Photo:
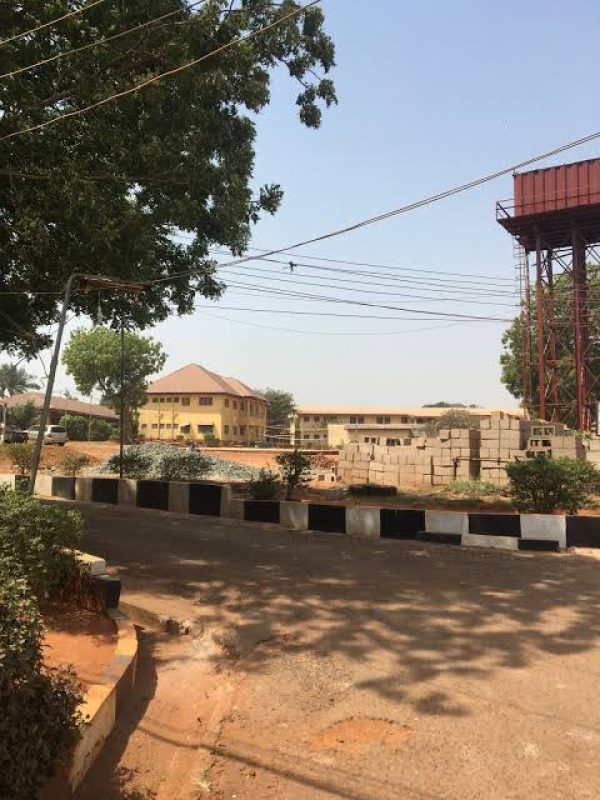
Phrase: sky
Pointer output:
(431, 94)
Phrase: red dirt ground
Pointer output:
(81, 638)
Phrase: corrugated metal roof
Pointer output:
(195, 379)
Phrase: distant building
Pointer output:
(61, 406)
(335, 426)
(194, 403)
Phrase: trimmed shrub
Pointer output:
(136, 464)
(80, 429)
(39, 717)
(266, 486)
(20, 454)
(72, 463)
(544, 485)
(41, 538)
(182, 465)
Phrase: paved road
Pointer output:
(337, 668)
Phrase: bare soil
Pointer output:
(83, 639)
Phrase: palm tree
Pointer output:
(15, 380)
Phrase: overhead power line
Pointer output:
(409, 207)
(175, 71)
(51, 22)
(13, 73)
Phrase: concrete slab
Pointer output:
(446, 522)
(294, 515)
(545, 527)
(363, 523)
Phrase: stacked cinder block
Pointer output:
(353, 463)
(454, 455)
(502, 441)
(591, 449)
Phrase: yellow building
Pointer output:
(194, 403)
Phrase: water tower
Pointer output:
(555, 221)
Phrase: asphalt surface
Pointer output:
(325, 667)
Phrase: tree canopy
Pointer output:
(511, 360)
(280, 406)
(15, 380)
(93, 359)
(109, 191)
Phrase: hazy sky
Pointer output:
(431, 94)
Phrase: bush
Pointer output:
(72, 463)
(544, 485)
(41, 539)
(20, 455)
(136, 464)
(23, 416)
(82, 429)
(266, 486)
(295, 469)
(39, 717)
(102, 431)
(455, 418)
(182, 465)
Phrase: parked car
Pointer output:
(12, 435)
(53, 434)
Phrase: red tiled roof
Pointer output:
(65, 404)
(195, 379)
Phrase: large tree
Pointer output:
(280, 407)
(15, 380)
(109, 191)
(93, 358)
(514, 340)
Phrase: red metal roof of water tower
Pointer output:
(557, 188)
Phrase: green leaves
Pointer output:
(545, 484)
(105, 191)
(93, 359)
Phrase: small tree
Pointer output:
(295, 469)
(20, 454)
(72, 463)
(23, 416)
(266, 486)
(93, 358)
(544, 485)
(280, 407)
(77, 427)
(136, 464)
(182, 466)
(455, 418)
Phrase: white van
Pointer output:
(53, 434)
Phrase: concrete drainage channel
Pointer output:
(518, 532)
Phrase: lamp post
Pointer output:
(86, 282)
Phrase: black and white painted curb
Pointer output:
(532, 532)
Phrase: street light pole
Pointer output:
(88, 281)
(122, 381)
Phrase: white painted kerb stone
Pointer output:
(446, 522)
(293, 515)
(548, 527)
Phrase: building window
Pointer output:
(235, 430)
(206, 401)
(226, 402)
(307, 435)
(161, 426)
(185, 401)
(316, 436)
(352, 420)
(316, 419)
(225, 429)
(154, 425)
(206, 428)
(242, 405)
(143, 425)
(161, 399)
(175, 399)
(404, 420)
(168, 425)
(155, 399)
(305, 419)
(331, 419)
(185, 429)
(367, 440)
(235, 403)
(383, 420)
(242, 430)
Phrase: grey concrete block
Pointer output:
(363, 523)
(294, 515)
(179, 497)
(127, 492)
(83, 489)
(446, 522)
(547, 527)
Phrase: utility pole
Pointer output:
(122, 382)
(86, 282)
